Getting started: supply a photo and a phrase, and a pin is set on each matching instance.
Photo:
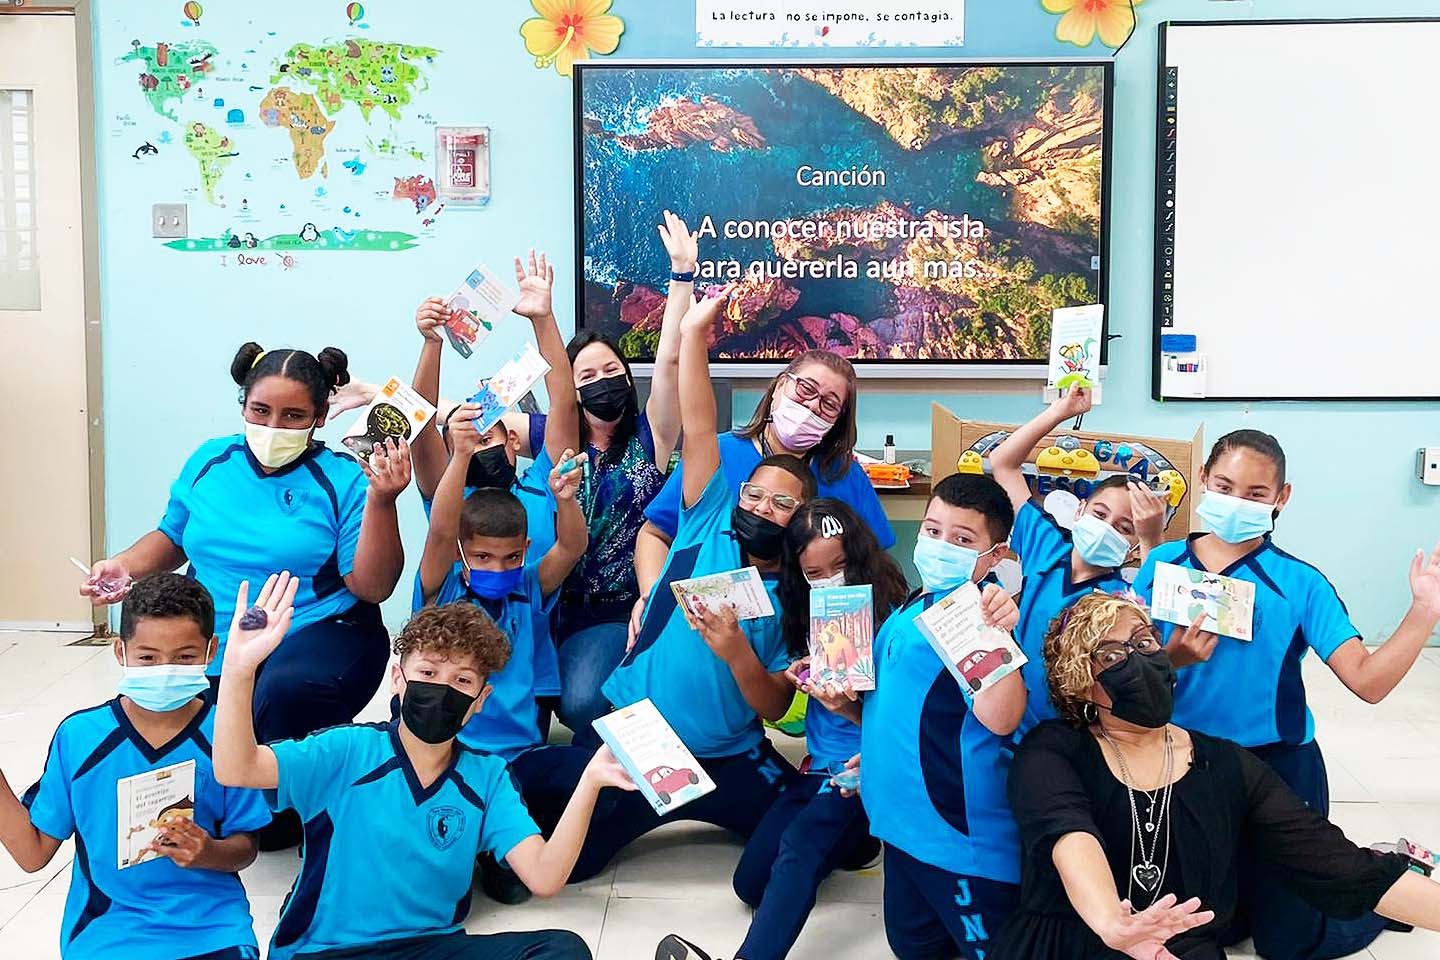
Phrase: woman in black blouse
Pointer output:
(1131, 827)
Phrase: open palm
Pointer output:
(1143, 935)
(1425, 581)
(253, 638)
(536, 282)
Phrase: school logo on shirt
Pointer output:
(445, 824)
(291, 499)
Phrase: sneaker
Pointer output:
(793, 723)
(865, 856)
(499, 882)
(674, 947)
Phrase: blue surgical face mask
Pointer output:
(944, 565)
(1099, 543)
(163, 688)
(1235, 519)
(491, 584)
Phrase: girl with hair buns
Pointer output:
(274, 498)
(1132, 827)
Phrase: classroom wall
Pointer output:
(171, 321)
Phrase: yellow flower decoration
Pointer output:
(1112, 19)
(568, 30)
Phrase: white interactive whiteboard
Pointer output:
(1298, 207)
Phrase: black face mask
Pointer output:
(434, 712)
(490, 468)
(607, 399)
(1142, 689)
(759, 537)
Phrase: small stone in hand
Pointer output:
(253, 619)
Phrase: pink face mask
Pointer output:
(797, 426)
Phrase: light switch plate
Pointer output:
(1427, 466)
(170, 221)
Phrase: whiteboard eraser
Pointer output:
(1177, 343)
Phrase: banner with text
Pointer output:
(829, 23)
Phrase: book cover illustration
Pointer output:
(1181, 594)
(978, 656)
(842, 635)
(397, 413)
(476, 306)
(664, 769)
(145, 803)
(742, 589)
(511, 382)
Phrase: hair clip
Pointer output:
(830, 526)
(258, 357)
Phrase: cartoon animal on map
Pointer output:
(309, 234)
(145, 149)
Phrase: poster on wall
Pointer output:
(829, 23)
(926, 213)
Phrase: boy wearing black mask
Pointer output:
(408, 789)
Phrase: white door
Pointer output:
(45, 500)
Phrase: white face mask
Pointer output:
(836, 579)
(275, 447)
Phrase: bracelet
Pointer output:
(687, 277)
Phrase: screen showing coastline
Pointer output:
(934, 214)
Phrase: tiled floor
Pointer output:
(1384, 767)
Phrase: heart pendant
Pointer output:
(1147, 875)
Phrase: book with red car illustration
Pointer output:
(842, 633)
(651, 752)
(482, 301)
(978, 656)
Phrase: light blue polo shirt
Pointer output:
(692, 688)
(235, 522)
(508, 722)
(830, 738)
(1044, 548)
(738, 459)
(385, 858)
(932, 775)
(153, 910)
(1253, 692)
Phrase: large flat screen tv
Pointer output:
(919, 218)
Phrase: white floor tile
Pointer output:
(1419, 945)
(634, 926)
(680, 861)
(272, 874)
(580, 909)
(15, 898)
(34, 932)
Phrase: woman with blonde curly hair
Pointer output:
(1131, 827)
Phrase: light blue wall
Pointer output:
(170, 327)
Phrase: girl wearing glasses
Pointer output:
(1132, 827)
(1252, 692)
(713, 682)
(809, 413)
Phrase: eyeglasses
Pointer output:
(1144, 641)
(753, 495)
(806, 390)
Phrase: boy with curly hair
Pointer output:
(395, 813)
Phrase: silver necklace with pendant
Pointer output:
(1145, 872)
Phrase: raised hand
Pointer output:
(1193, 645)
(1142, 935)
(183, 841)
(256, 631)
(682, 245)
(702, 313)
(1425, 582)
(566, 476)
(998, 608)
(536, 282)
(388, 469)
(1147, 511)
(1074, 402)
(108, 583)
(604, 770)
(460, 428)
(430, 316)
(352, 396)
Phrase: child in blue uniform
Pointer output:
(1118, 520)
(814, 827)
(181, 898)
(476, 552)
(715, 684)
(396, 813)
(934, 764)
(1252, 692)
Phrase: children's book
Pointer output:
(1076, 334)
(978, 656)
(510, 383)
(396, 412)
(650, 751)
(147, 802)
(842, 632)
(1181, 594)
(476, 306)
(741, 589)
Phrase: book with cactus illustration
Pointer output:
(842, 634)
(1181, 594)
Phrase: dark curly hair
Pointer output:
(454, 630)
(167, 596)
(320, 375)
(865, 562)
